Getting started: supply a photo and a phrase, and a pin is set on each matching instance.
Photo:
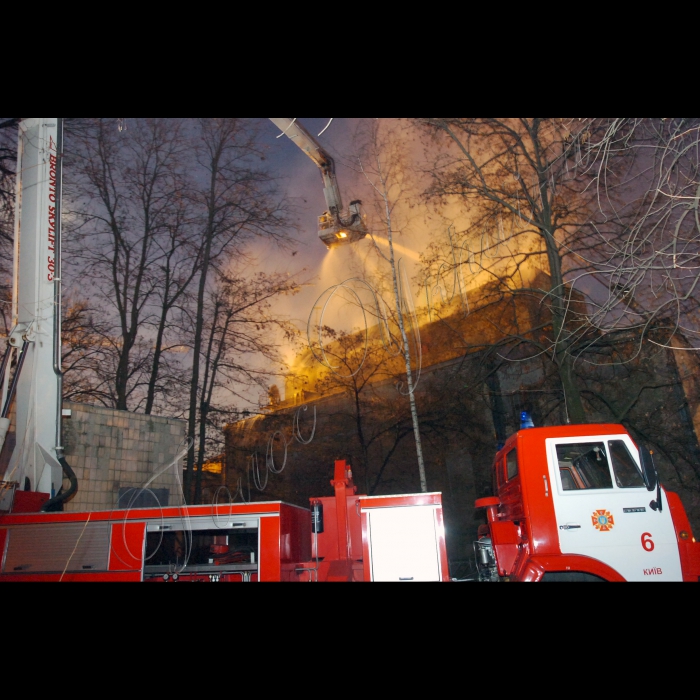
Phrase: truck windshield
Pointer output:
(586, 465)
(627, 475)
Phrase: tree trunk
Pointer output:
(407, 359)
(574, 409)
(208, 382)
(209, 234)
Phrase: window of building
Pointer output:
(132, 498)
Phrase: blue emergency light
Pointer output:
(526, 421)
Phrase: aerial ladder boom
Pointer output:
(38, 462)
(336, 226)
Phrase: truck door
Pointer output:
(602, 508)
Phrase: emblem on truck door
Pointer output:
(603, 520)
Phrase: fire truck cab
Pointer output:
(582, 502)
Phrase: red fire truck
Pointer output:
(573, 503)
(582, 503)
(345, 537)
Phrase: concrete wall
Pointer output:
(114, 450)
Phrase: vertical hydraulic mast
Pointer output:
(36, 308)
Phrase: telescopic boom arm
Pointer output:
(335, 226)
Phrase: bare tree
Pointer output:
(8, 159)
(366, 375)
(653, 270)
(237, 201)
(239, 333)
(88, 354)
(384, 162)
(529, 192)
(178, 266)
(126, 242)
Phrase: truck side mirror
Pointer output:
(649, 474)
